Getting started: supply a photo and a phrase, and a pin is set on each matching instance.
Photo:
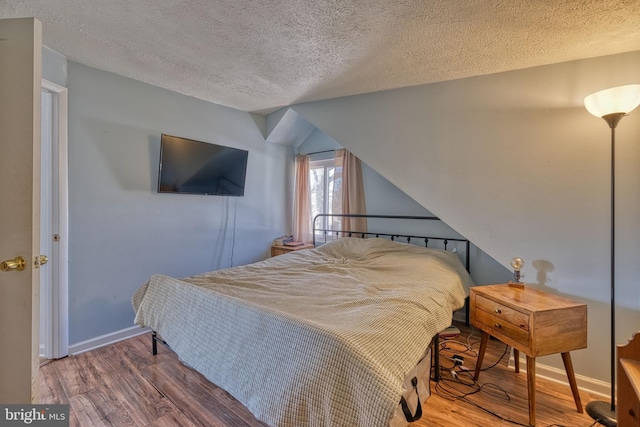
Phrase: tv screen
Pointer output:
(196, 167)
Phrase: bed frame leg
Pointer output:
(467, 304)
(154, 343)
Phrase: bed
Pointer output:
(338, 335)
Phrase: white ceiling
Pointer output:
(258, 55)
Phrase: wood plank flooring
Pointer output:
(123, 384)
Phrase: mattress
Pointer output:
(317, 337)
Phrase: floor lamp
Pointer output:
(612, 105)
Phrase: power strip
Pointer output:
(458, 360)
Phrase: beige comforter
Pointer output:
(319, 337)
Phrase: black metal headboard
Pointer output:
(328, 233)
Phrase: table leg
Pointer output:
(516, 360)
(568, 366)
(483, 348)
(531, 389)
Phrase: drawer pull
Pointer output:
(497, 326)
(498, 311)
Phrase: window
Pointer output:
(325, 182)
(319, 190)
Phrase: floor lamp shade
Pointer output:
(611, 105)
(621, 99)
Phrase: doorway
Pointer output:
(54, 225)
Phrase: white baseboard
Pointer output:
(587, 384)
(107, 339)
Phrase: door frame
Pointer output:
(56, 323)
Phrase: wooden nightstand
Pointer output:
(533, 322)
(279, 250)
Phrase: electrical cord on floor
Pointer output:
(469, 350)
(461, 384)
(506, 350)
(468, 347)
(446, 387)
(494, 414)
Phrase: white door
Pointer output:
(20, 81)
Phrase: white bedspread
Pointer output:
(319, 337)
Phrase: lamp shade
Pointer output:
(621, 99)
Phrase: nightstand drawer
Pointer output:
(500, 327)
(503, 313)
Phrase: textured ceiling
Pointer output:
(258, 55)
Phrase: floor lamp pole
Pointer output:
(603, 412)
(613, 265)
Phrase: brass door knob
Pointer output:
(16, 264)
(42, 259)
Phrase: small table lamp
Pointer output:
(517, 263)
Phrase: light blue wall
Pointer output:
(121, 230)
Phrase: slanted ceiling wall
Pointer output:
(515, 163)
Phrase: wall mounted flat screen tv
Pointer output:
(196, 167)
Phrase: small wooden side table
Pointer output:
(282, 249)
(533, 322)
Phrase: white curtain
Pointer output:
(302, 202)
(353, 201)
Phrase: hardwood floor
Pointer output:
(123, 384)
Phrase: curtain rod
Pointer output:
(320, 152)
